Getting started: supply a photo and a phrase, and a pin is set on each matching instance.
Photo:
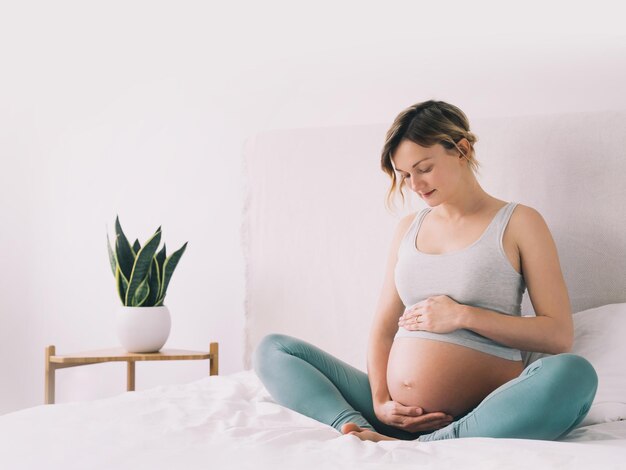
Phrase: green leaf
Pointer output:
(136, 247)
(168, 270)
(154, 283)
(141, 294)
(121, 284)
(160, 257)
(125, 256)
(142, 265)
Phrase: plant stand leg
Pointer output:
(213, 349)
(130, 376)
(50, 377)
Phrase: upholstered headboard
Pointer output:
(316, 232)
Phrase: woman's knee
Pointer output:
(574, 373)
(267, 347)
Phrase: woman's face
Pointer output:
(426, 169)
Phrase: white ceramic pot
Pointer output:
(143, 329)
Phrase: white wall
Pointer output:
(141, 109)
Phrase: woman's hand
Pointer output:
(410, 418)
(437, 314)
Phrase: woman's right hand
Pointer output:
(410, 418)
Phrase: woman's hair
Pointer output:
(427, 124)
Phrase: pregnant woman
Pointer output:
(444, 353)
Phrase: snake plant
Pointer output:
(141, 274)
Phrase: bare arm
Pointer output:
(527, 333)
(385, 323)
(377, 357)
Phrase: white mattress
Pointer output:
(231, 421)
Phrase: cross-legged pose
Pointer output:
(444, 352)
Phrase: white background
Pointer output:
(140, 109)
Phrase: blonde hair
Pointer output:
(427, 123)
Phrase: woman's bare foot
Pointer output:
(364, 434)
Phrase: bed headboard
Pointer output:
(316, 232)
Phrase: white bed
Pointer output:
(232, 422)
(315, 238)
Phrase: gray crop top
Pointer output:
(479, 275)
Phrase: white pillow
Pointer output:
(600, 337)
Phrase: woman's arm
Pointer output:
(385, 323)
(552, 330)
(377, 358)
(540, 334)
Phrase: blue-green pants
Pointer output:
(548, 400)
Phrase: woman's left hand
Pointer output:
(437, 314)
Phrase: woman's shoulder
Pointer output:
(523, 213)
(404, 224)
(406, 221)
(525, 221)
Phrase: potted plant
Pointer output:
(142, 276)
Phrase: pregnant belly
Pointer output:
(446, 377)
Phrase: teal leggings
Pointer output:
(548, 400)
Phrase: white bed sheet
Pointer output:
(231, 421)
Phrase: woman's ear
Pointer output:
(465, 146)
